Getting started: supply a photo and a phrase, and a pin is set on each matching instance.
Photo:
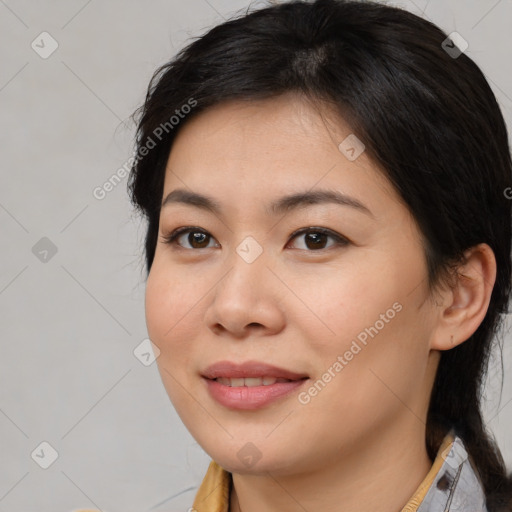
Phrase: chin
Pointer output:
(248, 460)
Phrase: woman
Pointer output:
(328, 256)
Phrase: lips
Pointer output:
(249, 370)
(250, 385)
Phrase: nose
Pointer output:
(247, 301)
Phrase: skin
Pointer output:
(361, 438)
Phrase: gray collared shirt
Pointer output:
(456, 487)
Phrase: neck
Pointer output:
(381, 473)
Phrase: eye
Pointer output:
(315, 238)
(197, 238)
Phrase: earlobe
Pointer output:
(465, 304)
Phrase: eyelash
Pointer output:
(171, 238)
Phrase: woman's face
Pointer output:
(344, 304)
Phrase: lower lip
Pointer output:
(250, 398)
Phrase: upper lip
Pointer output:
(228, 369)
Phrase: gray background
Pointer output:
(70, 321)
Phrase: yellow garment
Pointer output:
(213, 493)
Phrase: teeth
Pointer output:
(250, 381)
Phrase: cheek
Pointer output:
(171, 312)
(159, 305)
(336, 303)
(367, 316)
(379, 363)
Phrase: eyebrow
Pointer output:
(281, 205)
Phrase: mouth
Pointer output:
(251, 382)
(250, 385)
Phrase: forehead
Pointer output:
(268, 147)
(286, 115)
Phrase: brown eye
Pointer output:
(316, 238)
(196, 238)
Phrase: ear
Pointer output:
(462, 306)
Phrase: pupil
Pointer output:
(198, 237)
(316, 238)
